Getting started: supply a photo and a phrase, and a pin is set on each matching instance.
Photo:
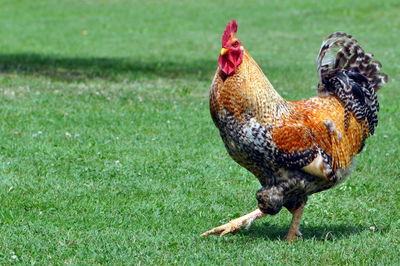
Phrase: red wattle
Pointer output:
(229, 62)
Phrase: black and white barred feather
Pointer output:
(349, 73)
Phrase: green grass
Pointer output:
(109, 155)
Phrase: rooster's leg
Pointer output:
(234, 225)
(294, 231)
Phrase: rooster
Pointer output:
(294, 148)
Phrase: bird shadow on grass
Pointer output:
(77, 68)
(319, 233)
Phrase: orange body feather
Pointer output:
(295, 126)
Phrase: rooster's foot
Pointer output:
(233, 226)
(293, 237)
(224, 229)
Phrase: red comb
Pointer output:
(231, 27)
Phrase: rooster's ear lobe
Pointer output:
(231, 29)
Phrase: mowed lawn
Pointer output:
(109, 155)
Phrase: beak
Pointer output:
(223, 51)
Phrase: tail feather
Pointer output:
(342, 51)
(349, 73)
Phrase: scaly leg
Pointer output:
(234, 225)
(294, 231)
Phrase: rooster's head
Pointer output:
(231, 54)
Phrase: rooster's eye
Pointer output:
(235, 44)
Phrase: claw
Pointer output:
(233, 226)
(222, 230)
(290, 237)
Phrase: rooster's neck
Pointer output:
(263, 100)
(247, 94)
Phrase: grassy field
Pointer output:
(109, 155)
